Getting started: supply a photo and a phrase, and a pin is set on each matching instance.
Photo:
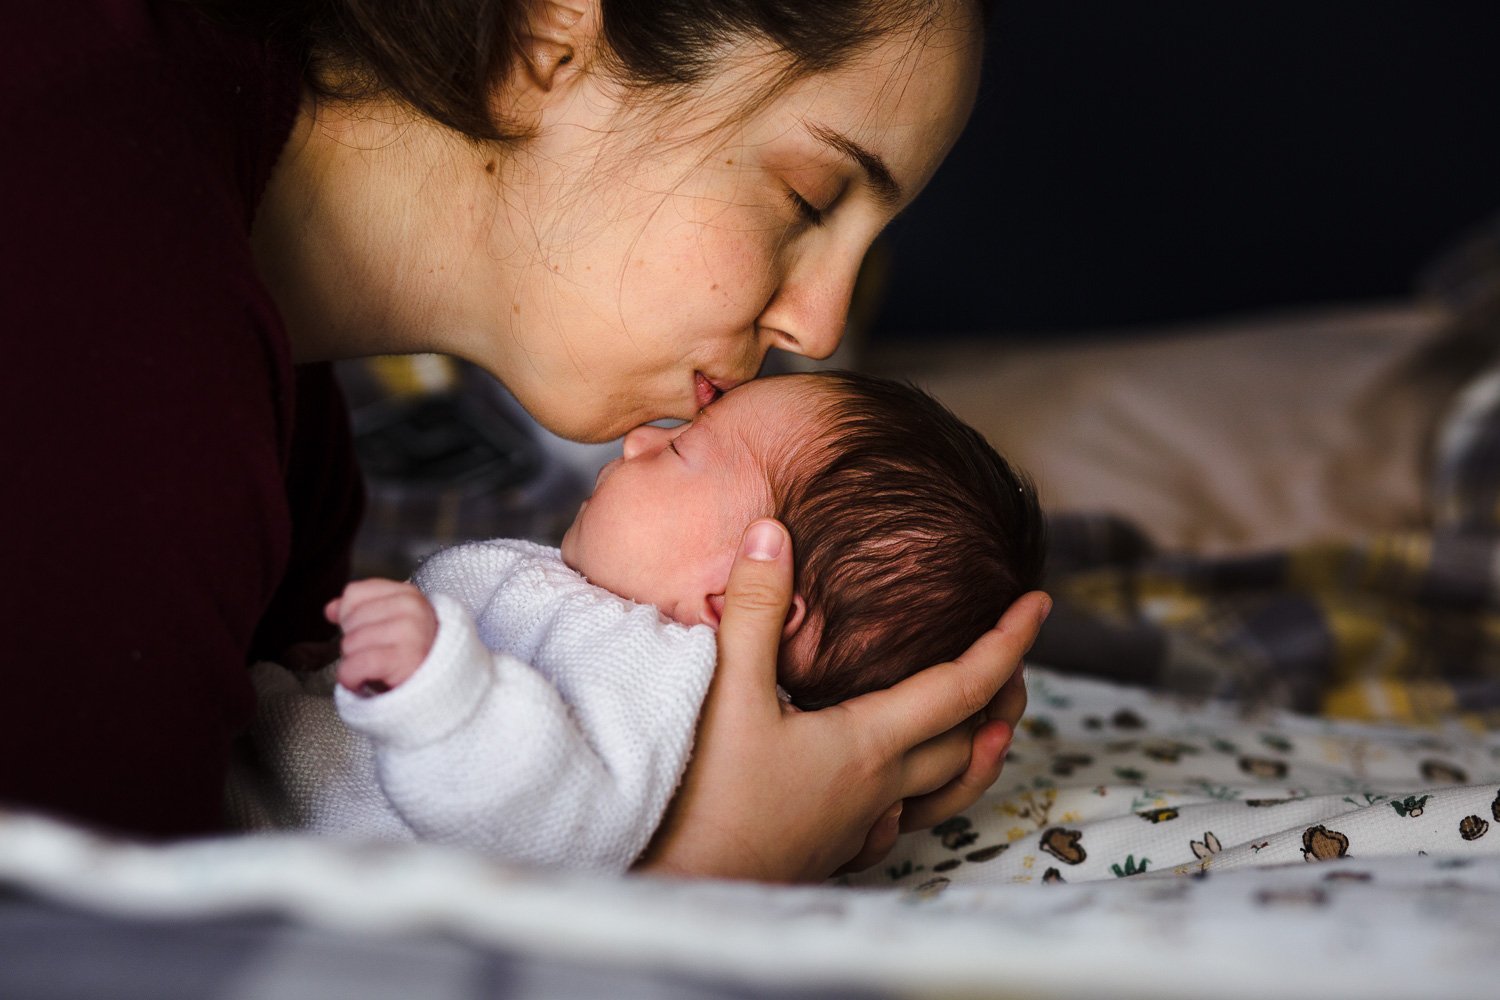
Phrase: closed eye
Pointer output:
(809, 212)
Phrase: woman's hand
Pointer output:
(992, 731)
(778, 795)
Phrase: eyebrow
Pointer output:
(887, 190)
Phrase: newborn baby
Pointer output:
(540, 704)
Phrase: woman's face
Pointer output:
(650, 259)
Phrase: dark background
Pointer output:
(1158, 160)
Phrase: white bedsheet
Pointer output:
(1386, 921)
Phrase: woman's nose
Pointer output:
(646, 440)
(810, 310)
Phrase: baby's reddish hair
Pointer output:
(912, 535)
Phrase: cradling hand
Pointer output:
(778, 795)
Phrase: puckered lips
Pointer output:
(707, 389)
(704, 389)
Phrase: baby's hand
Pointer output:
(388, 627)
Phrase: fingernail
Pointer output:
(893, 814)
(764, 540)
(1046, 609)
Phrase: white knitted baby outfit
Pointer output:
(549, 725)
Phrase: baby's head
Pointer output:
(911, 534)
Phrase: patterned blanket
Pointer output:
(1105, 783)
(1136, 845)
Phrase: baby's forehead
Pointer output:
(776, 418)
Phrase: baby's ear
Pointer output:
(796, 616)
(716, 608)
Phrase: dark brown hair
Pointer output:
(911, 535)
(443, 58)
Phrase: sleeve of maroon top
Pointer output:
(147, 418)
(326, 495)
(148, 527)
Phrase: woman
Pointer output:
(616, 209)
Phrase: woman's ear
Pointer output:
(557, 36)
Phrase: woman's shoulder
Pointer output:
(140, 138)
(173, 86)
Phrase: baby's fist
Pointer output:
(388, 628)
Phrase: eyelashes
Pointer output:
(809, 212)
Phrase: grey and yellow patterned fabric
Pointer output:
(448, 457)
(1399, 627)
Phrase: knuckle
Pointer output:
(878, 751)
(973, 694)
(360, 588)
(756, 597)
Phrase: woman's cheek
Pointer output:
(705, 277)
(753, 264)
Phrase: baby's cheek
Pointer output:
(569, 547)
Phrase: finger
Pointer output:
(755, 607)
(933, 764)
(936, 699)
(375, 586)
(1010, 704)
(878, 843)
(361, 592)
(377, 666)
(331, 610)
(400, 632)
(385, 607)
(991, 742)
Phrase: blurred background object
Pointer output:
(1148, 163)
(448, 455)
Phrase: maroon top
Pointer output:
(176, 499)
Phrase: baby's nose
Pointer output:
(644, 440)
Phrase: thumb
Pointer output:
(755, 607)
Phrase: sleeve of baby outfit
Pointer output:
(479, 750)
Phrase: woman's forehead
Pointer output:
(921, 76)
(905, 100)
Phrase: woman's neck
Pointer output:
(366, 227)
